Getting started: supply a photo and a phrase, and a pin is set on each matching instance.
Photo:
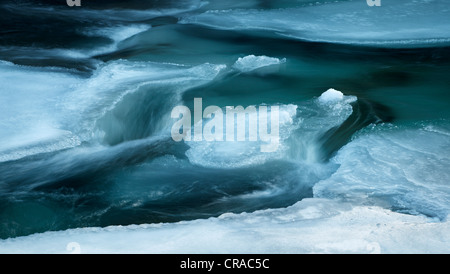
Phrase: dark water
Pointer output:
(87, 93)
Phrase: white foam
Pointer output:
(120, 33)
(310, 226)
(113, 81)
(42, 53)
(251, 63)
(37, 139)
(116, 33)
(401, 23)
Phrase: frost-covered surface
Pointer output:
(407, 169)
(310, 226)
(417, 23)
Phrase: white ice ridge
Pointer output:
(400, 23)
(310, 226)
(251, 62)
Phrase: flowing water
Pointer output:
(86, 95)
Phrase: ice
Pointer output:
(232, 154)
(251, 63)
(121, 86)
(406, 169)
(310, 226)
(52, 109)
(300, 126)
(331, 96)
(27, 116)
(401, 23)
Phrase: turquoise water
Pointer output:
(87, 93)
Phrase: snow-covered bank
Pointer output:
(310, 226)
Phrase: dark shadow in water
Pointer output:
(364, 113)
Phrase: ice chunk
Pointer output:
(251, 63)
(330, 96)
(406, 169)
(401, 23)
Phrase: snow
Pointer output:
(310, 226)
